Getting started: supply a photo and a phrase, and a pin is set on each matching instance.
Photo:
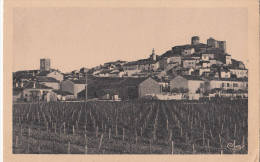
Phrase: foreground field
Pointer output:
(131, 127)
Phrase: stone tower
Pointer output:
(195, 40)
(45, 64)
(222, 45)
(212, 42)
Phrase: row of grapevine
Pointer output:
(175, 127)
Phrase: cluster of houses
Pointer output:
(47, 84)
(191, 71)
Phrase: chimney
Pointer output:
(21, 84)
(16, 85)
(34, 85)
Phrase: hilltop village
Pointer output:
(187, 72)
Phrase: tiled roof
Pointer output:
(43, 73)
(24, 74)
(27, 71)
(46, 79)
(30, 85)
(79, 81)
(117, 82)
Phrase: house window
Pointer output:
(223, 84)
(227, 84)
(235, 85)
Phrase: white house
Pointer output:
(174, 59)
(49, 82)
(205, 57)
(224, 73)
(53, 74)
(131, 72)
(188, 63)
(34, 91)
(228, 59)
(225, 84)
(205, 64)
(204, 70)
(194, 85)
(143, 65)
(116, 73)
(63, 96)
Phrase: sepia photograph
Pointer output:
(184, 96)
(131, 81)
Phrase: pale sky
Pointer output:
(85, 37)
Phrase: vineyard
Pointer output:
(131, 127)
